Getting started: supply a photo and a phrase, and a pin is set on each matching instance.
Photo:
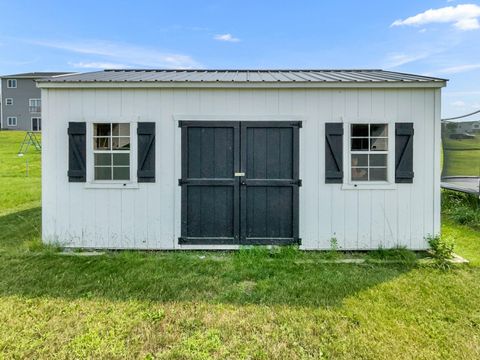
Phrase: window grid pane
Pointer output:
(369, 152)
(111, 147)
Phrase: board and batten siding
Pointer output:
(148, 217)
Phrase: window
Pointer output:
(111, 151)
(11, 83)
(11, 121)
(35, 105)
(8, 101)
(36, 124)
(368, 152)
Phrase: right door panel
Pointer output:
(269, 189)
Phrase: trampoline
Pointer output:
(469, 185)
(461, 154)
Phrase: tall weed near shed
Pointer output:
(442, 249)
(461, 208)
(398, 254)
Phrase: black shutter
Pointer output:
(77, 150)
(146, 152)
(404, 152)
(333, 153)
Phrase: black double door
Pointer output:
(240, 182)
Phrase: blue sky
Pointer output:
(439, 38)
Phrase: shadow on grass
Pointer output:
(20, 228)
(245, 277)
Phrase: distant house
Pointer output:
(217, 159)
(20, 102)
(467, 127)
(464, 127)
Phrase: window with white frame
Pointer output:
(369, 152)
(35, 105)
(12, 83)
(111, 151)
(11, 121)
(8, 101)
(36, 124)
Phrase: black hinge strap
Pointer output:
(76, 153)
(402, 154)
(145, 154)
(334, 155)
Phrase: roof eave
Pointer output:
(36, 76)
(45, 83)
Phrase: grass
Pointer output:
(18, 191)
(462, 208)
(462, 156)
(463, 144)
(463, 163)
(254, 303)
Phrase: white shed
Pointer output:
(217, 159)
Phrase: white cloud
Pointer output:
(459, 69)
(463, 17)
(398, 59)
(467, 24)
(226, 37)
(458, 103)
(98, 65)
(122, 54)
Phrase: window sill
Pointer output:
(128, 185)
(369, 187)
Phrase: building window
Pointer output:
(11, 121)
(369, 152)
(111, 151)
(8, 101)
(35, 105)
(36, 124)
(11, 83)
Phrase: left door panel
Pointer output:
(210, 190)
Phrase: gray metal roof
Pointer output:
(35, 75)
(242, 76)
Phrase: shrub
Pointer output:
(442, 249)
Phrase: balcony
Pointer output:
(35, 109)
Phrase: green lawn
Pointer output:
(16, 190)
(249, 304)
(463, 156)
(462, 143)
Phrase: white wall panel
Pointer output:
(149, 217)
